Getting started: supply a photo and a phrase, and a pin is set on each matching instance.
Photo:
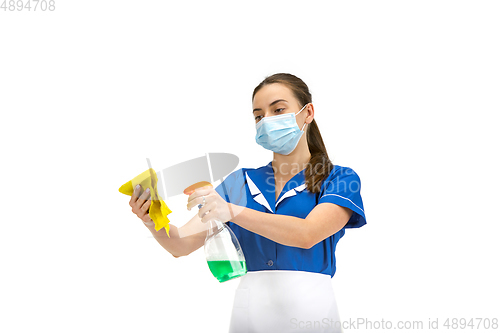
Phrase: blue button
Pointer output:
(270, 263)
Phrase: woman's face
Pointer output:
(274, 99)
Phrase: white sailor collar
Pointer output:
(261, 184)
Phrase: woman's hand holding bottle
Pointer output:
(214, 208)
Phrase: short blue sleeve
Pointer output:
(343, 187)
(233, 189)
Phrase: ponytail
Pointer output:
(319, 166)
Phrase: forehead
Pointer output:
(271, 92)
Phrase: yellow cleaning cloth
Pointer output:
(158, 210)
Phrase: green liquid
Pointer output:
(225, 270)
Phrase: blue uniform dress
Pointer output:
(288, 288)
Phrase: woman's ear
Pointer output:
(310, 113)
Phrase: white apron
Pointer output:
(282, 301)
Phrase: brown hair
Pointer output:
(319, 166)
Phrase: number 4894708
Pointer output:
(28, 5)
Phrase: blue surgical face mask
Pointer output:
(279, 133)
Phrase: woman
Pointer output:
(287, 215)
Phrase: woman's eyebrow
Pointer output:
(276, 101)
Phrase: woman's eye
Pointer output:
(277, 111)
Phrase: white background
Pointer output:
(405, 93)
